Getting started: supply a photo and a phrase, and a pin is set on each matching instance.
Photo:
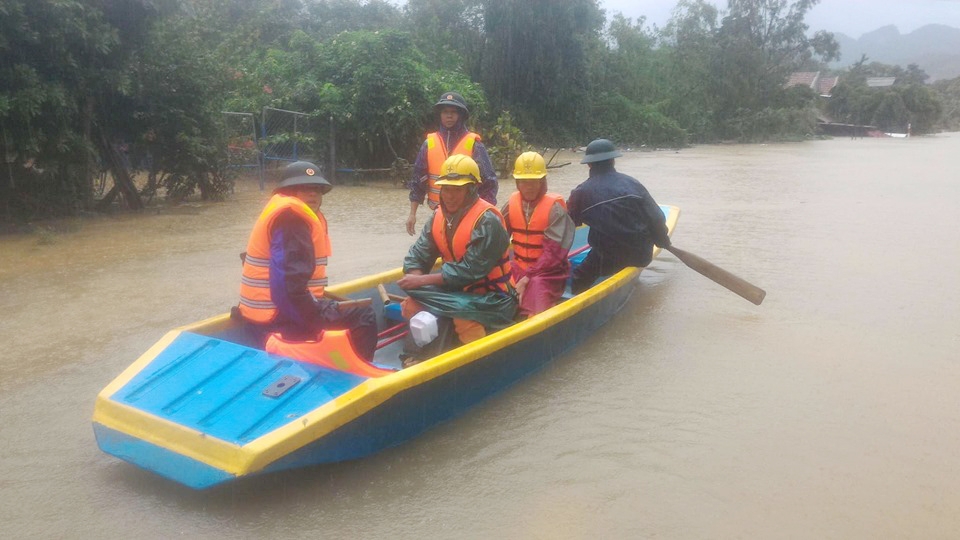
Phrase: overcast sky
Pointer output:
(851, 17)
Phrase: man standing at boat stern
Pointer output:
(625, 222)
(285, 268)
(473, 285)
(452, 137)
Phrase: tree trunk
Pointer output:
(88, 176)
(6, 194)
(123, 184)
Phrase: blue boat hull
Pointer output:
(417, 409)
(159, 460)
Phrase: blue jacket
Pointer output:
(625, 222)
(291, 266)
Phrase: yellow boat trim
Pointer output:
(258, 454)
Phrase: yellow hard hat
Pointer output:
(459, 170)
(529, 166)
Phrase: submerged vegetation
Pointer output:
(136, 90)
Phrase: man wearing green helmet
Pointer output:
(452, 137)
(285, 269)
(625, 222)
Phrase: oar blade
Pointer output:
(746, 290)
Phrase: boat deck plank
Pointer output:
(217, 387)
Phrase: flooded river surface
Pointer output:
(831, 411)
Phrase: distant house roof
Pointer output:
(826, 85)
(812, 80)
(880, 82)
(803, 78)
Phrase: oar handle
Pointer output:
(383, 293)
(387, 297)
(343, 301)
(354, 303)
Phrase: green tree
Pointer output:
(690, 45)
(633, 88)
(535, 74)
(174, 115)
(449, 33)
(948, 93)
(57, 62)
(325, 18)
(374, 85)
(908, 102)
(94, 86)
(760, 42)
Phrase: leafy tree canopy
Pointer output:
(134, 90)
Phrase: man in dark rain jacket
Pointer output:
(452, 137)
(473, 285)
(284, 268)
(625, 222)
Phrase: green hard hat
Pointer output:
(600, 150)
(453, 99)
(301, 173)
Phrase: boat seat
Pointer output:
(332, 349)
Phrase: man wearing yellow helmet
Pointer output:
(452, 137)
(541, 232)
(473, 285)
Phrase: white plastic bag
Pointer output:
(423, 328)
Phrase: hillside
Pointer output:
(935, 48)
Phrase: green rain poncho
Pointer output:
(488, 242)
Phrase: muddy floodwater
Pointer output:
(831, 411)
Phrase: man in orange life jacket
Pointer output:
(452, 137)
(285, 268)
(473, 285)
(541, 233)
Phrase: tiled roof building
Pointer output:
(811, 79)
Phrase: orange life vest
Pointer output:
(527, 238)
(498, 277)
(436, 154)
(256, 304)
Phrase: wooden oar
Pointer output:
(387, 297)
(383, 293)
(343, 301)
(354, 303)
(747, 290)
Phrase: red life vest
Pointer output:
(256, 304)
(527, 237)
(498, 277)
(436, 154)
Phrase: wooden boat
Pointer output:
(202, 407)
